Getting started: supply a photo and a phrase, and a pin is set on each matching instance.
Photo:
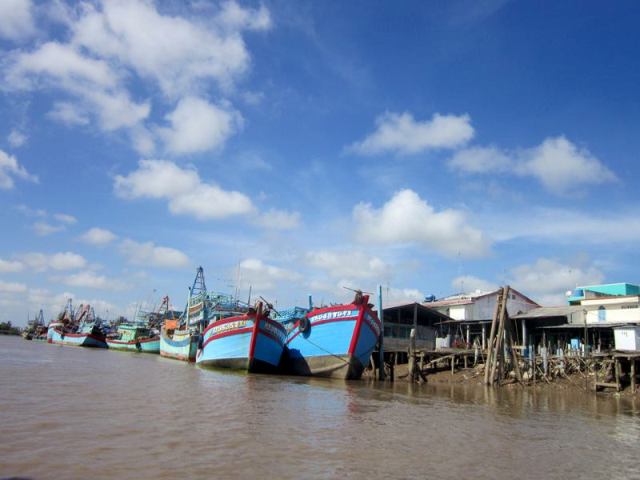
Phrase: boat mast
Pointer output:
(199, 290)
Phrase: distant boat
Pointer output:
(79, 328)
(335, 341)
(36, 328)
(252, 342)
(134, 337)
(179, 338)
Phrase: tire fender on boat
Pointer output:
(304, 325)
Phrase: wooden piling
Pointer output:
(633, 374)
(498, 353)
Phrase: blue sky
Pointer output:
(303, 147)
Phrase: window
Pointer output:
(602, 314)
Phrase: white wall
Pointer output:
(485, 307)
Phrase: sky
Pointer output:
(296, 148)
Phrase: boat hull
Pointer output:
(183, 348)
(237, 343)
(337, 343)
(92, 340)
(144, 345)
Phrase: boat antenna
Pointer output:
(357, 290)
(249, 300)
(269, 304)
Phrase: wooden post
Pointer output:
(492, 337)
(453, 364)
(633, 374)
(484, 336)
(533, 364)
(514, 354)
(381, 340)
(499, 345)
(617, 371)
(412, 355)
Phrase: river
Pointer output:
(68, 412)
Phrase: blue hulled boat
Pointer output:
(179, 338)
(141, 335)
(334, 341)
(252, 342)
(80, 329)
(134, 338)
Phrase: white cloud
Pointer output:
(234, 17)
(107, 52)
(566, 226)
(61, 64)
(469, 283)
(547, 280)
(43, 228)
(57, 261)
(94, 83)
(69, 114)
(176, 52)
(151, 255)
(349, 265)
(16, 138)
(557, 163)
(87, 279)
(264, 277)
(398, 296)
(31, 212)
(12, 287)
(54, 303)
(98, 236)
(65, 218)
(10, 266)
(198, 126)
(16, 21)
(481, 160)
(400, 133)
(406, 218)
(10, 168)
(184, 190)
(278, 220)
(561, 166)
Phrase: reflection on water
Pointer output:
(79, 413)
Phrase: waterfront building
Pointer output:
(471, 315)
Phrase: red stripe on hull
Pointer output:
(134, 342)
(356, 333)
(228, 320)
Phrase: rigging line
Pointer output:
(327, 351)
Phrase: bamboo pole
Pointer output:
(487, 364)
(498, 355)
(514, 354)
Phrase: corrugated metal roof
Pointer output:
(577, 326)
(540, 312)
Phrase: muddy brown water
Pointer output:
(68, 412)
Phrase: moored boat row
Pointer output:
(217, 331)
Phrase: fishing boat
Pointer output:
(79, 328)
(335, 341)
(251, 341)
(36, 328)
(179, 338)
(135, 337)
